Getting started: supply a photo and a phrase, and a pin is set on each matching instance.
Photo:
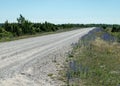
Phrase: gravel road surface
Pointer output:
(33, 61)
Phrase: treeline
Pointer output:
(26, 27)
(113, 28)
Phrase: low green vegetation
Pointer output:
(50, 74)
(94, 62)
(24, 28)
(113, 30)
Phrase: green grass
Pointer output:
(97, 64)
(5, 39)
(116, 34)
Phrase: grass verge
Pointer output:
(94, 63)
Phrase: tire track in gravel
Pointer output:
(14, 55)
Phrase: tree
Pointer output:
(25, 25)
(6, 26)
(21, 19)
(4, 33)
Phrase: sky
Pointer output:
(62, 11)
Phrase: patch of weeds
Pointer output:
(62, 75)
(57, 64)
(61, 79)
(54, 59)
(50, 74)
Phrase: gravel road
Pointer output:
(31, 61)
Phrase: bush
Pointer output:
(4, 34)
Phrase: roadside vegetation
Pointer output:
(24, 28)
(94, 61)
(113, 30)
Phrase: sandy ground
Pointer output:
(30, 62)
